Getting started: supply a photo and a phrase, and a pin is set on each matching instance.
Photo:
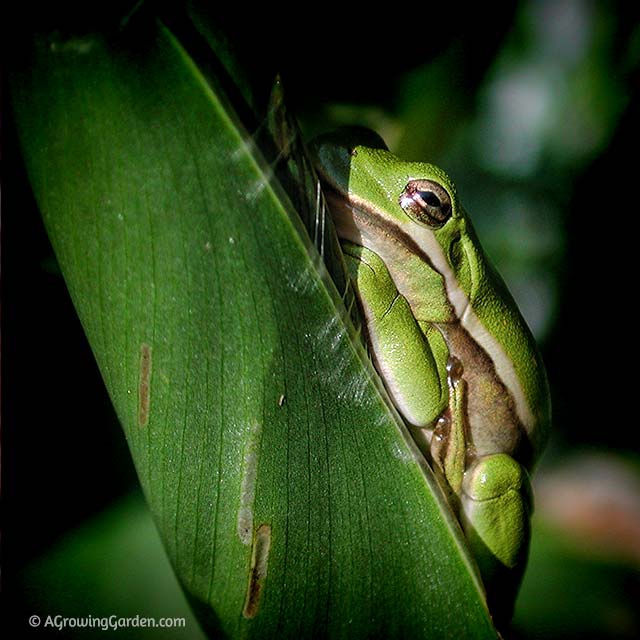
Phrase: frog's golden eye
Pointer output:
(427, 202)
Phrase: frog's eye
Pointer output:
(427, 202)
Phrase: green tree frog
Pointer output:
(448, 341)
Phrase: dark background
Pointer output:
(435, 81)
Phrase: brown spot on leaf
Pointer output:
(258, 571)
(144, 385)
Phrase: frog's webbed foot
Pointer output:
(449, 443)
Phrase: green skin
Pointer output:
(455, 354)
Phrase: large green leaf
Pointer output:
(289, 496)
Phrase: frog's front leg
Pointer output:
(409, 359)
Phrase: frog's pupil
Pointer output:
(430, 198)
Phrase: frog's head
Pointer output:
(406, 212)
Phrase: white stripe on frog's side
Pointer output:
(470, 321)
(357, 220)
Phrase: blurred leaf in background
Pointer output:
(113, 566)
(584, 573)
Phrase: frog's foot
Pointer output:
(497, 503)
